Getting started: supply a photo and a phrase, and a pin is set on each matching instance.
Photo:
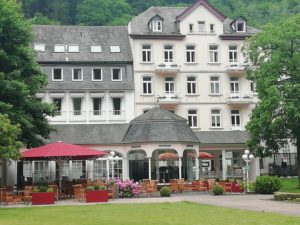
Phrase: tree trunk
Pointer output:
(298, 160)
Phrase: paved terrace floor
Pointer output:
(261, 203)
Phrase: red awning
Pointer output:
(61, 150)
(168, 156)
(202, 155)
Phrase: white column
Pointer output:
(180, 166)
(224, 171)
(254, 169)
(197, 168)
(107, 169)
(68, 105)
(149, 168)
(87, 107)
(107, 106)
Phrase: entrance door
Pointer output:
(138, 169)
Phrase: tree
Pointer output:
(21, 77)
(40, 19)
(9, 146)
(103, 12)
(275, 57)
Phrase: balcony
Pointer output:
(77, 115)
(240, 127)
(168, 99)
(117, 115)
(236, 98)
(165, 69)
(236, 68)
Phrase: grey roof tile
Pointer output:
(222, 137)
(84, 36)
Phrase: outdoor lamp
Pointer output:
(247, 157)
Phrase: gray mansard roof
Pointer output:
(139, 24)
(84, 36)
(159, 125)
(222, 137)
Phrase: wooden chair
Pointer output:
(174, 186)
(27, 197)
(210, 184)
(79, 193)
(55, 190)
(112, 191)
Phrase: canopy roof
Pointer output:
(61, 151)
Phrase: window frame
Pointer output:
(62, 74)
(96, 46)
(147, 83)
(147, 52)
(193, 118)
(169, 53)
(115, 48)
(237, 26)
(212, 25)
(214, 118)
(77, 112)
(192, 85)
(73, 51)
(93, 74)
(59, 45)
(157, 25)
(214, 84)
(214, 54)
(36, 47)
(112, 75)
(77, 68)
(203, 26)
(234, 116)
(190, 53)
(233, 54)
(99, 111)
(235, 84)
(170, 84)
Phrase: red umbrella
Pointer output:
(61, 151)
(168, 156)
(202, 155)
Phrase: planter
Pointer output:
(236, 188)
(42, 198)
(97, 196)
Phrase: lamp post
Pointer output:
(247, 157)
(113, 158)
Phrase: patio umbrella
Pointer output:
(202, 155)
(168, 156)
(61, 152)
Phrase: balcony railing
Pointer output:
(236, 98)
(236, 68)
(168, 99)
(77, 115)
(166, 68)
(97, 115)
(117, 115)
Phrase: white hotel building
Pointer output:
(184, 61)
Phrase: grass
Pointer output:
(140, 214)
(289, 185)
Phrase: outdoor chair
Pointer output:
(79, 193)
(112, 191)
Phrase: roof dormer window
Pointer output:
(59, 48)
(156, 25)
(115, 49)
(39, 47)
(73, 48)
(240, 26)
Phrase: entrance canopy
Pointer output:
(61, 151)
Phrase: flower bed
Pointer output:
(128, 188)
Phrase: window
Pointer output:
(192, 118)
(116, 106)
(116, 74)
(58, 103)
(211, 28)
(147, 85)
(41, 171)
(146, 53)
(97, 106)
(96, 48)
(201, 26)
(157, 25)
(39, 47)
(240, 26)
(59, 48)
(78, 169)
(77, 106)
(57, 74)
(252, 86)
(115, 49)
(97, 74)
(213, 54)
(214, 85)
(216, 118)
(73, 48)
(169, 85)
(100, 169)
(234, 85)
(191, 28)
(168, 53)
(77, 74)
(235, 118)
(190, 53)
(233, 54)
(191, 85)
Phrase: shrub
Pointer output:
(267, 184)
(43, 189)
(218, 190)
(128, 188)
(102, 188)
(90, 188)
(165, 192)
(96, 188)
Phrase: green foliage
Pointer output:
(43, 189)
(21, 76)
(165, 192)
(40, 19)
(90, 188)
(218, 190)
(267, 184)
(9, 146)
(103, 12)
(103, 188)
(289, 185)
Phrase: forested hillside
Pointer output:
(119, 12)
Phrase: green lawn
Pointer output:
(140, 214)
(289, 185)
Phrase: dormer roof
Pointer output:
(207, 5)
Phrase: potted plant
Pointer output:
(96, 194)
(43, 195)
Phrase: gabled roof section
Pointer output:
(157, 16)
(206, 4)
